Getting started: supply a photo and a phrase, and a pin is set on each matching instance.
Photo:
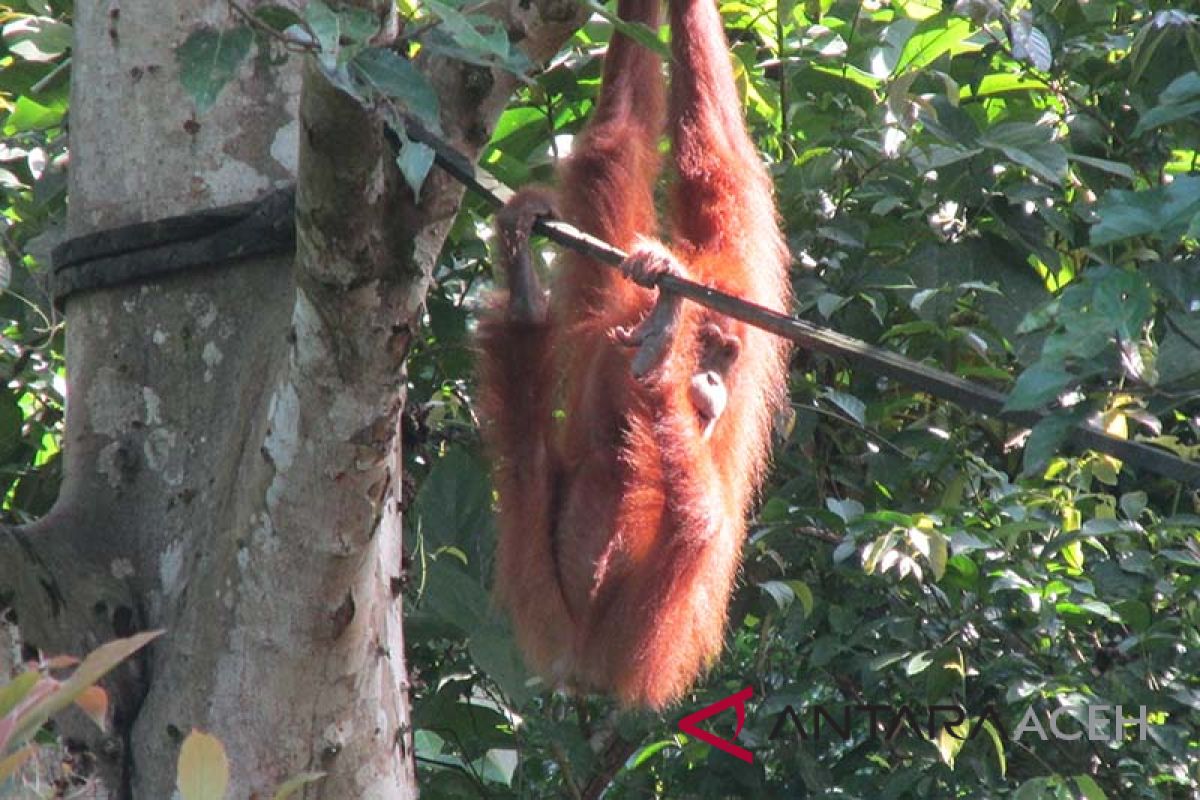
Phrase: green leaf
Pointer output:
(1030, 44)
(780, 592)
(1164, 115)
(1133, 503)
(649, 751)
(1037, 386)
(209, 59)
(936, 156)
(495, 652)
(918, 663)
(1182, 89)
(443, 44)
(415, 160)
(1088, 608)
(1045, 440)
(998, 744)
(455, 597)
(485, 39)
(454, 503)
(427, 744)
(848, 509)
(1035, 789)
(828, 303)
(1091, 790)
(498, 766)
(38, 38)
(934, 38)
(939, 552)
(850, 405)
(203, 771)
(341, 34)
(384, 73)
(458, 720)
(30, 115)
(1164, 212)
(1003, 83)
(850, 74)
(1112, 167)
(636, 31)
(1177, 362)
(804, 595)
(1180, 100)
(324, 25)
(1123, 298)
(278, 18)
(948, 745)
(1031, 146)
(1135, 614)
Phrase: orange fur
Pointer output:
(621, 522)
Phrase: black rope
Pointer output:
(266, 227)
(147, 250)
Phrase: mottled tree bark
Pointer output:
(232, 457)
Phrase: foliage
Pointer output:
(341, 40)
(30, 699)
(34, 83)
(1008, 192)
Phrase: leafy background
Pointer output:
(34, 87)
(1006, 191)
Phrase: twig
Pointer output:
(292, 45)
(563, 761)
(615, 754)
(45, 80)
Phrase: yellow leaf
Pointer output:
(203, 771)
(297, 783)
(1073, 555)
(948, 745)
(1115, 423)
(939, 553)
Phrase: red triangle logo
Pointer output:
(738, 702)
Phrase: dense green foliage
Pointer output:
(34, 83)
(1010, 194)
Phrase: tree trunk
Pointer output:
(232, 463)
